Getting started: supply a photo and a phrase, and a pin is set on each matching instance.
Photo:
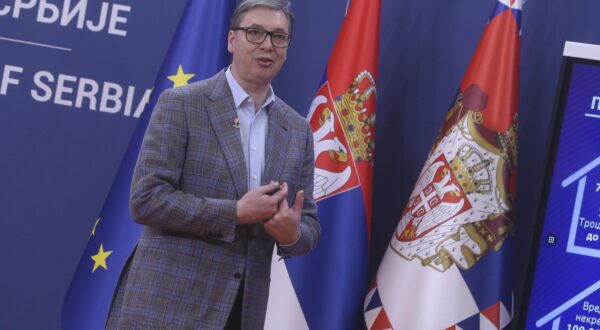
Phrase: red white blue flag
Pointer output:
(448, 265)
(325, 289)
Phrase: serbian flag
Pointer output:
(448, 265)
(325, 289)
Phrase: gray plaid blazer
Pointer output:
(191, 257)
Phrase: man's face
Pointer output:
(257, 64)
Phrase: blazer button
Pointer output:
(237, 275)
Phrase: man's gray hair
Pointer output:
(246, 5)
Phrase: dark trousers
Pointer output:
(234, 322)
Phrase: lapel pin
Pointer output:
(236, 123)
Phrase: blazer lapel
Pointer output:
(275, 145)
(221, 111)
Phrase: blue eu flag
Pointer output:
(198, 50)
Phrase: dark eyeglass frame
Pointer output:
(267, 33)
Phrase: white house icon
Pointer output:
(580, 176)
(554, 316)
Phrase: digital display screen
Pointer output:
(565, 289)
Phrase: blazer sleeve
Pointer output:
(310, 229)
(156, 199)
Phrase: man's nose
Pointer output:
(268, 42)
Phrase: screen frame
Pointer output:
(574, 53)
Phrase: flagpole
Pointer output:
(347, 6)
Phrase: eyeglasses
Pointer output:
(258, 36)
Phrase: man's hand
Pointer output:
(284, 226)
(259, 203)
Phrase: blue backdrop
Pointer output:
(57, 162)
(58, 159)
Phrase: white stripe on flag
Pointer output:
(485, 324)
(283, 308)
(420, 297)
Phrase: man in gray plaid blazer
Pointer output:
(225, 172)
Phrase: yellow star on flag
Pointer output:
(100, 258)
(94, 228)
(181, 78)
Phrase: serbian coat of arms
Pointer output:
(343, 131)
(459, 208)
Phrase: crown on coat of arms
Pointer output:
(356, 121)
(471, 170)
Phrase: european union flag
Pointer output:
(198, 50)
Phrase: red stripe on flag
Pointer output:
(355, 51)
(494, 69)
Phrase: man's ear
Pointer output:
(230, 40)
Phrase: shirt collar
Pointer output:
(239, 95)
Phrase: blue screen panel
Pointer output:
(565, 289)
